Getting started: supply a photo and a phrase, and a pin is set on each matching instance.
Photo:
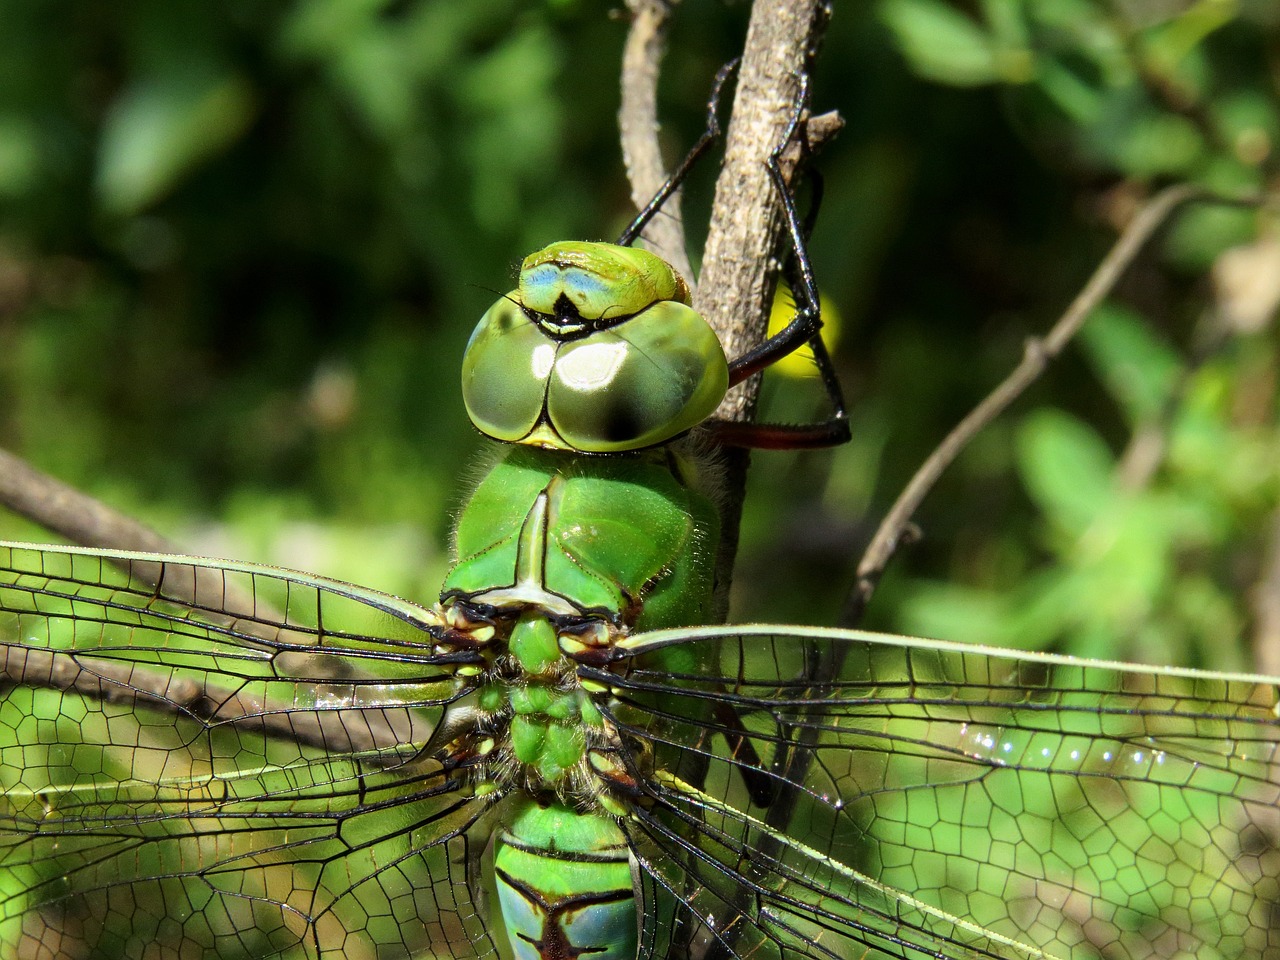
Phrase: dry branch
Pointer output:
(81, 519)
(69, 513)
(739, 262)
(335, 730)
(1037, 355)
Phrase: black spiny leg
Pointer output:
(804, 328)
(709, 136)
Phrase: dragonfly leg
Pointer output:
(742, 751)
(805, 327)
(710, 135)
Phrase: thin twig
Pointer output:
(638, 125)
(335, 729)
(69, 513)
(1036, 357)
(79, 518)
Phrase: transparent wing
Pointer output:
(223, 760)
(820, 793)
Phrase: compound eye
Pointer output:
(561, 381)
(638, 384)
(505, 370)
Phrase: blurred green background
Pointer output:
(242, 246)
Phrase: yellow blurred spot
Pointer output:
(800, 363)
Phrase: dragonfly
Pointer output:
(560, 758)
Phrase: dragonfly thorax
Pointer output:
(551, 574)
(545, 532)
(531, 723)
(558, 559)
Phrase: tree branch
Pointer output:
(80, 518)
(739, 262)
(69, 513)
(335, 729)
(1036, 357)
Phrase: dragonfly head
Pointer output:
(596, 351)
(592, 286)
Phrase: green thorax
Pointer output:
(559, 555)
(619, 538)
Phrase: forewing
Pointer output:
(222, 760)
(818, 793)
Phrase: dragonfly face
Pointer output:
(597, 350)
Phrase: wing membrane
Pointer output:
(232, 761)
(222, 760)
(925, 799)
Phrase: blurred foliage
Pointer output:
(242, 246)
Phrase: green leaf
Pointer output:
(952, 610)
(1173, 51)
(161, 128)
(1246, 119)
(19, 155)
(940, 43)
(1007, 22)
(1202, 232)
(1066, 468)
(1077, 99)
(1139, 369)
(1153, 143)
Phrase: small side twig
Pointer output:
(638, 125)
(1036, 357)
(335, 730)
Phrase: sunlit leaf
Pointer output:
(19, 155)
(1138, 369)
(1066, 467)
(1152, 143)
(941, 43)
(162, 127)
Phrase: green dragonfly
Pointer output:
(560, 759)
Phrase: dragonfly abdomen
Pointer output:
(564, 882)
